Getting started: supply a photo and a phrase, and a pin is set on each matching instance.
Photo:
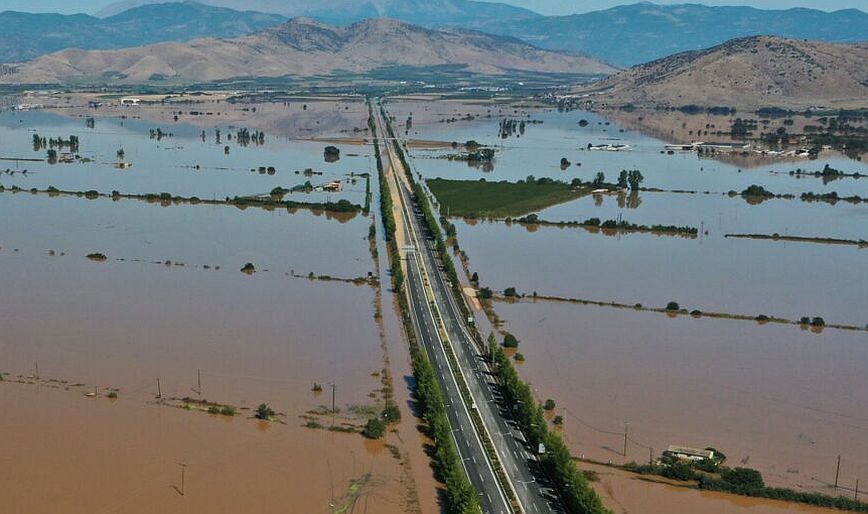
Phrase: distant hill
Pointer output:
(759, 71)
(429, 13)
(632, 34)
(303, 48)
(25, 36)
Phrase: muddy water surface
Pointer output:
(776, 398)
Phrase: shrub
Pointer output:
(113, 394)
(549, 404)
(559, 420)
(391, 413)
(673, 306)
(485, 293)
(679, 470)
(263, 411)
(227, 410)
(510, 292)
(510, 341)
(375, 428)
(213, 409)
(743, 477)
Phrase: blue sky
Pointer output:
(542, 6)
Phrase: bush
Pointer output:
(743, 477)
(559, 420)
(391, 414)
(227, 410)
(375, 428)
(485, 293)
(510, 341)
(549, 404)
(263, 411)
(510, 292)
(679, 470)
(673, 306)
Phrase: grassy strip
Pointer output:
(608, 226)
(571, 485)
(480, 198)
(861, 243)
(166, 199)
(461, 497)
(761, 318)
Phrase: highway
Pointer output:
(431, 300)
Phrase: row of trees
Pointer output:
(570, 484)
(41, 142)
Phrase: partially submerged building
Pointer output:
(687, 453)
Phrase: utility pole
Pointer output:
(650, 456)
(333, 398)
(199, 378)
(37, 370)
(837, 472)
(159, 391)
(856, 494)
(626, 431)
(183, 470)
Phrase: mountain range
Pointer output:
(633, 34)
(25, 35)
(622, 36)
(755, 72)
(303, 47)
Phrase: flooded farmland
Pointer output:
(126, 323)
(784, 399)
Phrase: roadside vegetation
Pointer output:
(570, 484)
(460, 496)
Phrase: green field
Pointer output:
(480, 198)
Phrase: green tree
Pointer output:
(622, 179)
(375, 428)
(599, 179)
(635, 178)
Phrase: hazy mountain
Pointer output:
(633, 34)
(302, 48)
(429, 13)
(25, 36)
(756, 71)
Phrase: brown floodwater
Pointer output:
(126, 321)
(64, 452)
(775, 398)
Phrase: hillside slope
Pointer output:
(757, 71)
(302, 48)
